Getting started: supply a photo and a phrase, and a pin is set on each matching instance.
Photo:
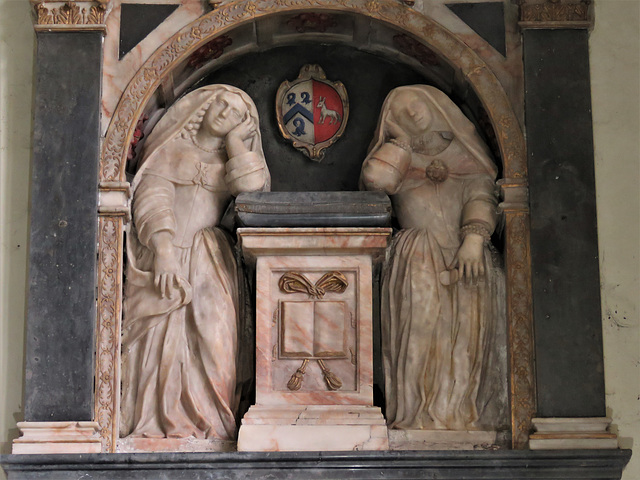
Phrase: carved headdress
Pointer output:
(447, 116)
(184, 118)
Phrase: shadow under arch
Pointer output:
(240, 12)
(474, 72)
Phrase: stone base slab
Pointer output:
(133, 445)
(441, 440)
(312, 428)
(57, 437)
(572, 433)
(389, 465)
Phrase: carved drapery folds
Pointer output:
(225, 16)
(70, 15)
(555, 14)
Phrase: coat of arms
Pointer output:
(312, 111)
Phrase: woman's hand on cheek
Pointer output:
(237, 136)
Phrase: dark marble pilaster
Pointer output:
(564, 243)
(62, 255)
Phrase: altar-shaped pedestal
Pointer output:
(314, 346)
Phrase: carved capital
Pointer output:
(515, 195)
(555, 14)
(70, 15)
(114, 200)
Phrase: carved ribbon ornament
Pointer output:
(292, 282)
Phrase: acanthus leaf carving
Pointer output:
(70, 14)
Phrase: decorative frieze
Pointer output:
(70, 15)
(312, 22)
(555, 14)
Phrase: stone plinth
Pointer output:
(314, 340)
(442, 440)
(572, 433)
(57, 437)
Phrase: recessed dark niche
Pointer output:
(486, 19)
(137, 21)
(260, 74)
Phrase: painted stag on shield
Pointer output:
(334, 117)
(312, 111)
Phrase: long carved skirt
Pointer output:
(179, 356)
(435, 337)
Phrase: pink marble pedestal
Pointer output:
(314, 346)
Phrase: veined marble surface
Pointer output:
(116, 74)
(278, 332)
(314, 340)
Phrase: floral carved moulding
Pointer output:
(70, 15)
(555, 14)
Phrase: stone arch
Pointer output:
(443, 43)
(240, 12)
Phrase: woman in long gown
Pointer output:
(181, 295)
(439, 291)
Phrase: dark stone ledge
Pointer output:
(485, 465)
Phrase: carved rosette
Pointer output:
(70, 15)
(555, 14)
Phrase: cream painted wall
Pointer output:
(615, 51)
(615, 80)
(16, 73)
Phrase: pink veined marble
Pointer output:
(314, 348)
(179, 341)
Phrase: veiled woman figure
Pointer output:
(439, 303)
(181, 295)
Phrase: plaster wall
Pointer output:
(615, 50)
(17, 42)
(615, 83)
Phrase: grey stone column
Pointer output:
(61, 308)
(564, 243)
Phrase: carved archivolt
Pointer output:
(407, 21)
(234, 14)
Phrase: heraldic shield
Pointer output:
(312, 111)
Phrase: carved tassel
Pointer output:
(333, 382)
(295, 382)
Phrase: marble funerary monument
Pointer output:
(308, 239)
